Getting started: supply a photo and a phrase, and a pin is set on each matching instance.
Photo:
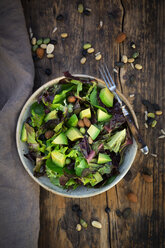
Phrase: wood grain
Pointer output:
(143, 22)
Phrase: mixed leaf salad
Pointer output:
(76, 134)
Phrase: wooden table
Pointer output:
(143, 23)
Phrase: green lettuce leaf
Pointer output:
(38, 114)
(31, 136)
(61, 96)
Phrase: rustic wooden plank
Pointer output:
(143, 22)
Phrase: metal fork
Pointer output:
(112, 87)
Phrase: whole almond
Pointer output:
(87, 122)
(80, 123)
(49, 134)
(132, 197)
(71, 98)
(147, 178)
(40, 52)
(121, 37)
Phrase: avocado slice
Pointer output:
(97, 177)
(73, 134)
(58, 158)
(103, 158)
(85, 113)
(93, 132)
(23, 134)
(106, 97)
(80, 167)
(73, 120)
(102, 116)
(61, 139)
(50, 116)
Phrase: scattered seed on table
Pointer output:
(48, 71)
(154, 155)
(146, 125)
(79, 213)
(118, 213)
(98, 57)
(83, 223)
(50, 48)
(114, 69)
(132, 95)
(78, 227)
(84, 52)
(75, 207)
(80, 8)
(138, 66)
(152, 115)
(154, 123)
(161, 137)
(90, 50)
(86, 46)
(131, 60)
(40, 52)
(97, 53)
(54, 29)
(107, 210)
(44, 46)
(150, 121)
(46, 40)
(50, 55)
(162, 131)
(132, 65)
(100, 25)
(34, 48)
(126, 213)
(135, 55)
(87, 12)
(39, 42)
(34, 41)
(156, 106)
(133, 45)
(124, 59)
(158, 112)
(96, 224)
(60, 18)
(145, 115)
(83, 60)
(54, 42)
(64, 35)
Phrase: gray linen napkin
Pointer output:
(19, 195)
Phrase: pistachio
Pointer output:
(71, 99)
(80, 8)
(87, 45)
(90, 140)
(78, 227)
(124, 59)
(80, 123)
(158, 112)
(130, 60)
(152, 115)
(87, 122)
(135, 55)
(46, 40)
(50, 56)
(98, 57)
(34, 48)
(154, 123)
(49, 134)
(138, 66)
(44, 46)
(64, 35)
(34, 41)
(96, 224)
(50, 48)
(83, 223)
(83, 60)
(39, 42)
(133, 45)
(90, 50)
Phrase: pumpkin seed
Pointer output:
(35, 48)
(124, 59)
(46, 40)
(50, 48)
(90, 50)
(39, 42)
(158, 112)
(131, 60)
(152, 115)
(34, 41)
(44, 46)
(78, 227)
(161, 137)
(138, 66)
(83, 60)
(96, 224)
(80, 8)
(126, 213)
(64, 35)
(98, 57)
(83, 223)
(154, 123)
(54, 29)
(135, 55)
(86, 46)
(50, 56)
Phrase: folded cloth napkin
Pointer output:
(19, 195)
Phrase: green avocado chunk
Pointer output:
(58, 158)
(106, 97)
(103, 158)
(61, 139)
(93, 132)
(24, 134)
(98, 178)
(102, 116)
(73, 134)
(50, 116)
(73, 120)
(85, 113)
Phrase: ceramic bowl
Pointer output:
(80, 192)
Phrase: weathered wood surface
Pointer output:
(143, 22)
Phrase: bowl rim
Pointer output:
(18, 126)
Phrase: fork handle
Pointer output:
(135, 131)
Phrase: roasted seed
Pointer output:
(152, 115)
(126, 213)
(50, 55)
(49, 134)
(80, 123)
(60, 18)
(90, 140)
(133, 45)
(75, 207)
(34, 41)
(96, 224)
(87, 122)
(135, 55)
(48, 71)
(86, 46)
(84, 52)
(132, 95)
(46, 40)
(80, 8)
(158, 112)
(71, 99)
(98, 57)
(35, 48)
(146, 125)
(138, 66)
(154, 123)
(54, 29)
(121, 37)
(64, 35)
(50, 48)
(83, 60)
(132, 197)
(87, 12)
(83, 223)
(131, 60)
(100, 25)
(107, 210)
(114, 69)
(124, 59)
(44, 46)
(78, 227)
(39, 42)
(147, 178)
(90, 50)
(40, 52)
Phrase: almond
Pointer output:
(40, 52)
(132, 197)
(121, 37)
(147, 178)
(49, 134)
(86, 122)
(80, 123)
(71, 99)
